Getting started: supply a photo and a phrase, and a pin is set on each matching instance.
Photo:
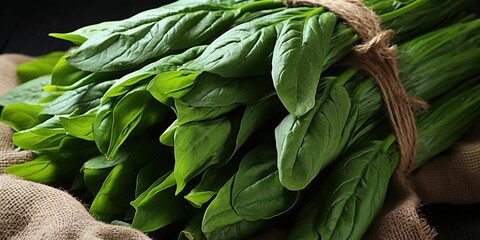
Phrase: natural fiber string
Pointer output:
(377, 58)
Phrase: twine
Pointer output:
(376, 57)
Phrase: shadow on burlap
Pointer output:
(34, 211)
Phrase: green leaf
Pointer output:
(30, 92)
(245, 49)
(307, 144)
(40, 66)
(102, 126)
(257, 192)
(193, 229)
(79, 100)
(298, 59)
(158, 206)
(45, 136)
(94, 179)
(219, 212)
(166, 64)
(175, 26)
(199, 145)
(80, 126)
(168, 136)
(42, 170)
(65, 74)
(213, 179)
(187, 113)
(117, 191)
(354, 192)
(239, 230)
(212, 90)
(171, 85)
(81, 35)
(127, 114)
(20, 116)
(47, 170)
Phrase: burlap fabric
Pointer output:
(33, 211)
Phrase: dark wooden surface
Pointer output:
(24, 28)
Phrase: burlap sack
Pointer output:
(30, 210)
(33, 211)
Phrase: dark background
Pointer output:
(24, 28)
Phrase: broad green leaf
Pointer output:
(42, 170)
(64, 74)
(47, 170)
(94, 179)
(79, 100)
(80, 126)
(307, 144)
(257, 192)
(353, 193)
(128, 113)
(187, 113)
(40, 66)
(45, 136)
(168, 136)
(30, 92)
(158, 206)
(213, 179)
(245, 49)
(199, 145)
(165, 64)
(156, 32)
(171, 85)
(255, 116)
(20, 116)
(219, 212)
(213, 90)
(239, 230)
(298, 59)
(102, 126)
(116, 192)
(81, 35)
(305, 224)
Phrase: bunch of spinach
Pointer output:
(222, 118)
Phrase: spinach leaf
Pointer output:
(298, 58)
(102, 126)
(308, 143)
(199, 145)
(171, 85)
(187, 113)
(79, 100)
(40, 66)
(128, 113)
(158, 206)
(47, 170)
(257, 192)
(219, 212)
(116, 192)
(20, 116)
(193, 229)
(94, 179)
(354, 192)
(156, 32)
(81, 35)
(64, 74)
(242, 229)
(212, 90)
(80, 126)
(167, 137)
(30, 92)
(245, 49)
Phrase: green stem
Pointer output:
(260, 5)
(401, 11)
(347, 75)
